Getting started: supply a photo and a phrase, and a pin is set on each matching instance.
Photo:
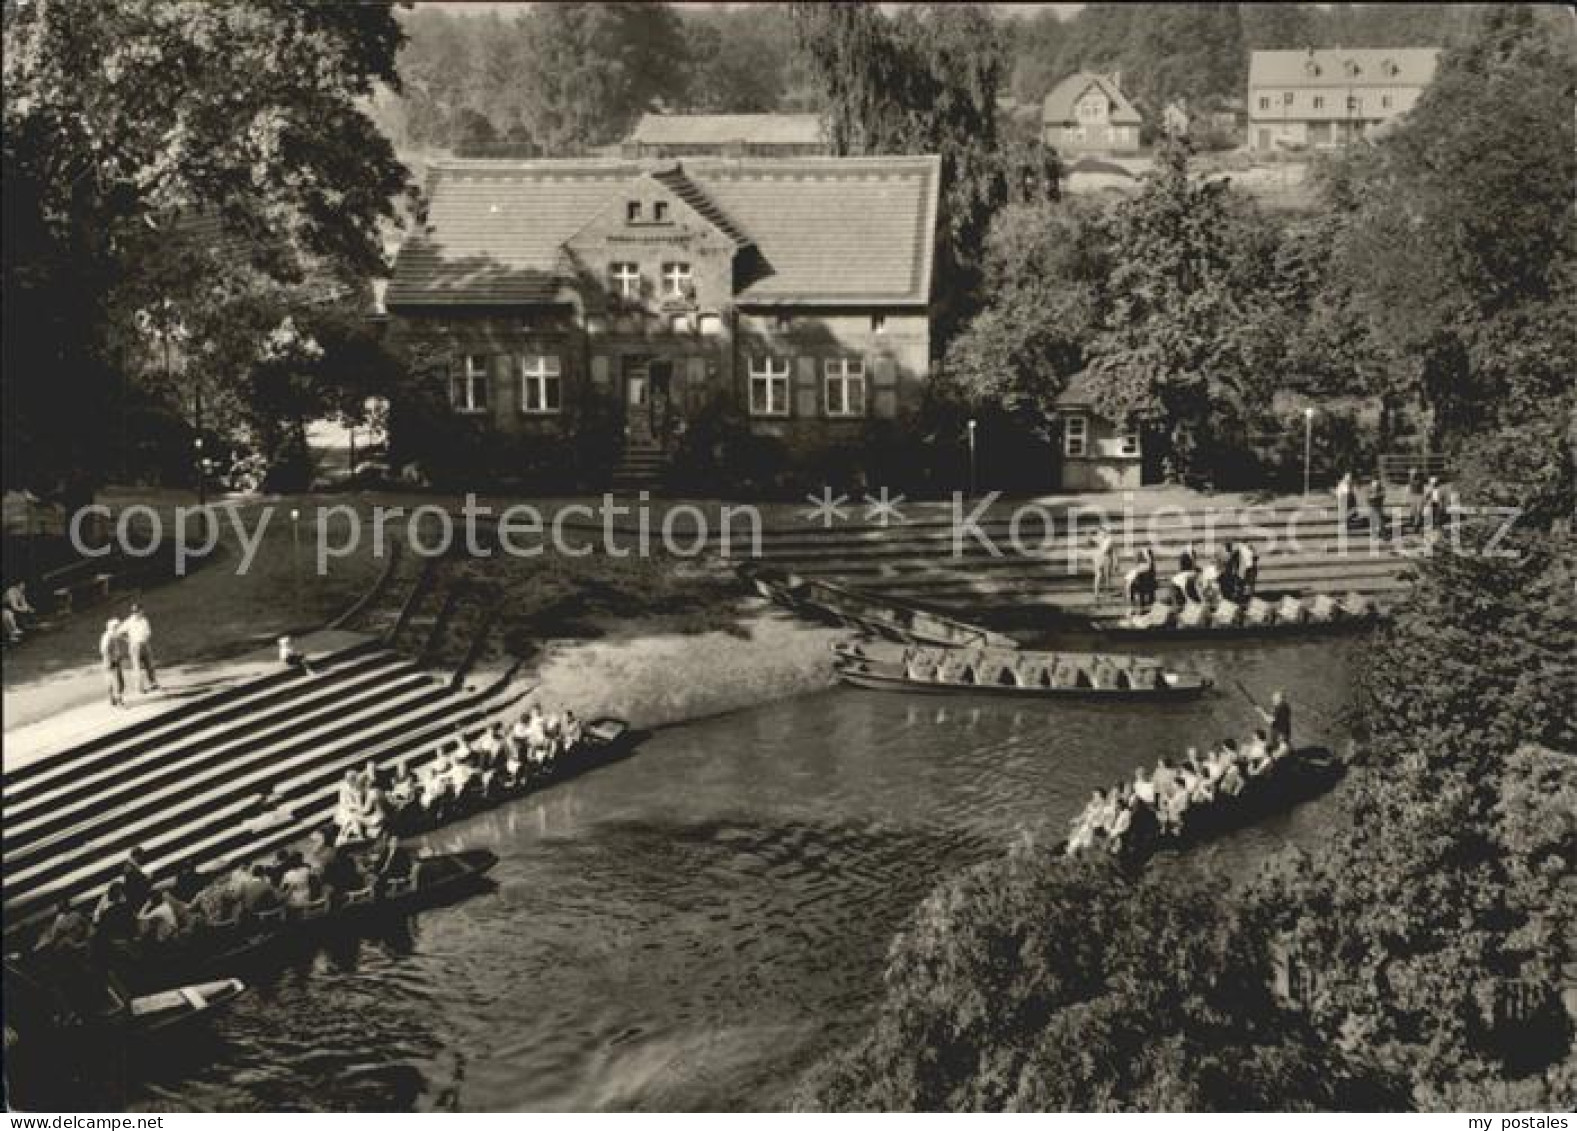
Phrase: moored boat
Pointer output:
(877, 665)
(153, 1013)
(1291, 615)
(881, 616)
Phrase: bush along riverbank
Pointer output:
(1420, 959)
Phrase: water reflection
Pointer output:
(692, 927)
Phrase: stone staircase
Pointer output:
(640, 466)
(990, 579)
(186, 785)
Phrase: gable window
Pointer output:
(1264, 102)
(626, 279)
(632, 212)
(769, 386)
(678, 281)
(845, 384)
(468, 388)
(1076, 436)
(541, 383)
(1128, 444)
(660, 211)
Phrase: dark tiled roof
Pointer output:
(1341, 67)
(1059, 104)
(824, 229)
(1079, 391)
(724, 129)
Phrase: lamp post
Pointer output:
(971, 458)
(1308, 447)
(202, 478)
(295, 556)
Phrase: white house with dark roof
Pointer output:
(1088, 112)
(798, 289)
(1324, 98)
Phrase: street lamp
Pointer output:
(295, 556)
(971, 458)
(1308, 446)
(202, 478)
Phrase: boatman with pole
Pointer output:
(1279, 717)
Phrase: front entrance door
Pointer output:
(660, 376)
(637, 400)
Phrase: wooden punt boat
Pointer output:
(1308, 773)
(878, 615)
(603, 740)
(433, 880)
(875, 676)
(154, 1013)
(1291, 616)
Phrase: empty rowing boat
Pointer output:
(1087, 675)
(1292, 615)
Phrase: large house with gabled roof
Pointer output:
(796, 290)
(1329, 97)
(1088, 112)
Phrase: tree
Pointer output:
(1465, 215)
(590, 70)
(120, 119)
(926, 81)
(1171, 353)
(740, 59)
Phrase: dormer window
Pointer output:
(632, 212)
(1390, 68)
(660, 211)
(1312, 68)
(1353, 69)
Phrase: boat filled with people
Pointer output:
(882, 666)
(1189, 798)
(142, 934)
(880, 616)
(464, 775)
(1171, 616)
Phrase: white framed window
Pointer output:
(632, 212)
(541, 383)
(769, 386)
(660, 211)
(844, 378)
(468, 387)
(1319, 102)
(678, 282)
(1385, 101)
(1076, 436)
(626, 279)
(711, 324)
(1264, 102)
(1128, 444)
(878, 323)
(682, 324)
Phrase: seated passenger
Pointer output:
(1144, 788)
(391, 861)
(571, 735)
(1256, 755)
(403, 786)
(159, 919)
(69, 929)
(256, 893)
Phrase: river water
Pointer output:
(694, 926)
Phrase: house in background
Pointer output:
(795, 290)
(1097, 454)
(1088, 113)
(1325, 98)
(726, 135)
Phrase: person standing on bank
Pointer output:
(112, 654)
(1279, 717)
(1377, 505)
(1415, 500)
(139, 639)
(1345, 498)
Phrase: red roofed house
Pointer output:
(799, 289)
(1088, 112)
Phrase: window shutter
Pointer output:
(884, 373)
(599, 373)
(886, 403)
(805, 386)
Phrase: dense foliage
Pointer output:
(124, 124)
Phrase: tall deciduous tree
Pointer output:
(122, 116)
